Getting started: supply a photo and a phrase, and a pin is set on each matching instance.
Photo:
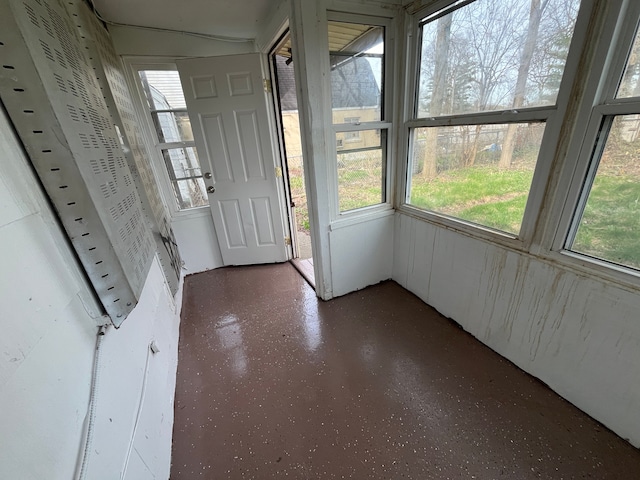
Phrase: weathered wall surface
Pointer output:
(578, 334)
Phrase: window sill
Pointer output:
(195, 212)
(461, 226)
(365, 214)
(599, 270)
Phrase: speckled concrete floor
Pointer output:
(273, 383)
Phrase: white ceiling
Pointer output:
(228, 18)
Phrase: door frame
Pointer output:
(284, 193)
(281, 145)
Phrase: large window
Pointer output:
(357, 61)
(168, 111)
(606, 222)
(488, 76)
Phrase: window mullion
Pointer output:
(168, 110)
(538, 114)
(186, 144)
(620, 107)
(624, 35)
(357, 127)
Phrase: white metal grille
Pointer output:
(53, 98)
(118, 98)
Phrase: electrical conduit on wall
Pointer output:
(91, 412)
(153, 348)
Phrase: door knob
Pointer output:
(207, 175)
(211, 189)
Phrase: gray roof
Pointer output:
(286, 84)
(353, 84)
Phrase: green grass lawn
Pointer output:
(359, 186)
(610, 227)
(299, 197)
(484, 195)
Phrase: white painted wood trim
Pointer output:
(196, 212)
(370, 7)
(502, 116)
(308, 32)
(365, 215)
(274, 27)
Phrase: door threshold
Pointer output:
(305, 268)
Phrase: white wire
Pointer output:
(145, 376)
(92, 404)
(220, 38)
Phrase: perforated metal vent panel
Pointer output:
(108, 68)
(50, 91)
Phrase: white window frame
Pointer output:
(598, 105)
(134, 65)
(552, 115)
(354, 216)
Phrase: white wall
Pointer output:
(361, 253)
(126, 380)
(579, 335)
(198, 243)
(48, 320)
(135, 41)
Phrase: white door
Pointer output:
(230, 120)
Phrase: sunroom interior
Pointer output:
(481, 154)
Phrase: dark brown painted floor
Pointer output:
(273, 383)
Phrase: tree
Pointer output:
(630, 85)
(443, 42)
(490, 55)
(460, 74)
(535, 14)
(493, 32)
(552, 48)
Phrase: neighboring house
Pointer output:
(356, 98)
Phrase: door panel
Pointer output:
(261, 210)
(250, 148)
(232, 223)
(216, 145)
(203, 87)
(228, 108)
